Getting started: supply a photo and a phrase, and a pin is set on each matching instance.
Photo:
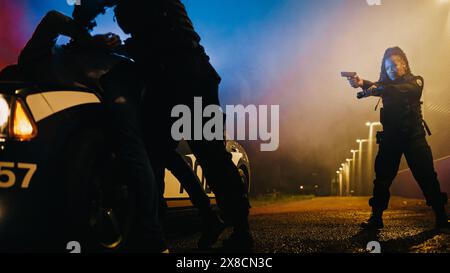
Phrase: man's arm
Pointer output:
(46, 35)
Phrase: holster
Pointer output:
(380, 136)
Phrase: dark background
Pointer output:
(290, 53)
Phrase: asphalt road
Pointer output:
(329, 225)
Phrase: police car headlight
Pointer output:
(15, 120)
(4, 115)
(23, 126)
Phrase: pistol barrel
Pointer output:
(348, 74)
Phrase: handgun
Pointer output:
(348, 74)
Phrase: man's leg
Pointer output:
(420, 160)
(157, 160)
(129, 148)
(387, 163)
(186, 77)
(224, 180)
(212, 225)
(222, 175)
(189, 181)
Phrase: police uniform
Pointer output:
(404, 134)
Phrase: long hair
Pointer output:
(387, 54)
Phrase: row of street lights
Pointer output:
(352, 178)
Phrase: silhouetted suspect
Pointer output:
(176, 69)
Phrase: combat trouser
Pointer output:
(420, 160)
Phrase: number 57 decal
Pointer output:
(6, 171)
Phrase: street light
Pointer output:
(360, 178)
(347, 176)
(340, 181)
(351, 169)
(344, 176)
(353, 174)
(334, 189)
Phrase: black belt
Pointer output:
(426, 127)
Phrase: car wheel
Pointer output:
(100, 205)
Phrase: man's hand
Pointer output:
(107, 41)
(356, 81)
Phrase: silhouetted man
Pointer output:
(82, 63)
(176, 68)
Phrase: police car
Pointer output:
(57, 175)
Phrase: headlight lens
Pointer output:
(16, 121)
(23, 127)
(5, 111)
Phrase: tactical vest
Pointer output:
(403, 111)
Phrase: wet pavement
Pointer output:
(329, 225)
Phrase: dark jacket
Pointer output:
(402, 110)
(158, 23)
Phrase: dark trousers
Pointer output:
(161, 158)
(190, 182)
(420, 160)
(122, 100)
(180, 77)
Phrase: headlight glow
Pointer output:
(4, 116)
(23, 125)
